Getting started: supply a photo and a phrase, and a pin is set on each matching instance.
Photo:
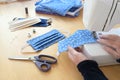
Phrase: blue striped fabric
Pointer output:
(43, 41)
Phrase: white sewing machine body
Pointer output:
(101, 15)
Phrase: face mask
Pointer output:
(23, 23)
(77, 39)
(45, 40)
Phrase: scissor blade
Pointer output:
(20, 58)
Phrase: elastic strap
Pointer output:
(26, 45)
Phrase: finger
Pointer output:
(78, 49)
(71, 50)
(111, 37)
(72, 54)
(111, 51)
(118, 51)
(107, 43)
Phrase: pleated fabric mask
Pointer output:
(45, 40)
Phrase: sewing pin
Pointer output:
(29, 35)
(34, 31)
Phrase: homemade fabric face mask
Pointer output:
(79, 38)
(45, 40)
(21, 23)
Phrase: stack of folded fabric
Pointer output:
(60, 7)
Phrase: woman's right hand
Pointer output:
(112, 44)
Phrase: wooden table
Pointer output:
(12, 42)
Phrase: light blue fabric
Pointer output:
(60, 7)
(79, 38)
(43, 41)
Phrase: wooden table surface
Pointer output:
(11, 44)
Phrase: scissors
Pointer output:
(43, 62)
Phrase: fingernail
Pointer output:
(100, 36)
(98, 40)
(69, 46)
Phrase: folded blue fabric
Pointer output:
(60, 7)
(43, 23)
(79, 38)
(45, 40)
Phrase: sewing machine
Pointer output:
(101, 15)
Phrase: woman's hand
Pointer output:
(76, 56)
(112, 44)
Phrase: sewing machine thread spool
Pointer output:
(26, 11)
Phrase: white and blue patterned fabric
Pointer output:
(43, 41)
(79, 38)
(60, 7)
